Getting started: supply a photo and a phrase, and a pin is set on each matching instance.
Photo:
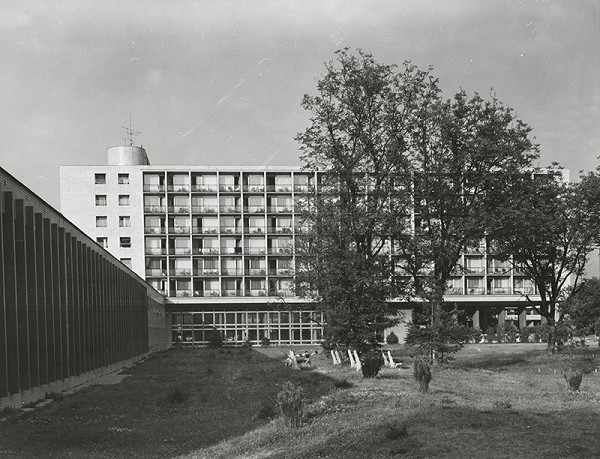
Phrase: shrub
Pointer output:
(343, 384)
(266, 411)
(265, 341)
(289, 401)
(393, 431)
(371, 364)
(573, 378)
(392, 338)
(422, 373)
(247, 344)
(214, 338)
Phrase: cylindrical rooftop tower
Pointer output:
(127, 155)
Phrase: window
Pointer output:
(124, 221)
(101, 222)
(125, 242)
(126, 262)
(123, 179)
(100, 199)
(100, 179)
(102, 242)
(123, 199)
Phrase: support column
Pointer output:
(522, 316)
(502, 317)
(477, 318)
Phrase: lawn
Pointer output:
(492, 401)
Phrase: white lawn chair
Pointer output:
(391, 360)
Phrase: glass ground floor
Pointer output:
(195, 327)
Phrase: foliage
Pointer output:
(289, 401)
(392, 338)
(547, 228)
(583, 307)
(573, 378)
(422, 372)
(371, 363)
(265, 341)
(215, 339)
(441, 339)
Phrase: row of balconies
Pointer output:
(218, 293)
(216, 272)
(150, 209)
(217, 250)
(186, 188)
(491, 291)
(216, 230)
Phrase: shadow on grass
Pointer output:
(174, 402)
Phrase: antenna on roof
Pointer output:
(130, 133)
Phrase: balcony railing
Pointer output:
(256, 293)
(230, 230)
(156, 251)
(231, 293)
(279, 188)
(475, 291)
(254, 209)
(205, 229)
(183, 293)
(280, 251)
(206, 272)
(232, 271)
(179, 209)
(180, 272)
(498, 270)
(155, 209)
(179, 229)
(183, 188)
(254, 230)
(279, 230)
(303, 188)
(154, 230)
(156, 273)
(256, 272)
(254, 188)
(204, 209)
(180, 251)
(205, 188)
(152, 188)
(279, 209)
(255, 250)
(281, 293)
(231, 250)
(281, 272)
(229, 188)
(524, 290)
(205, 250)
(230, 209)
(454, 291)
(475, 270)
(499, 291)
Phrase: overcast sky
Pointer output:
(220, 82)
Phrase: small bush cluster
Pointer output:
(371, 364)
(394, 431)
(265, 341)
(215, 339)
(392, 338)
(422, 373)
(343, 384)
(573, 378)
(289, 401)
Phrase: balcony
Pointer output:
(454, 291)
(183, 188)
(230, 209)
(183, 293)
(281, 272)
(280, 251)
(303, 188)
(231, 293)
(232, 271)
(279, 188)
(230, 230)
(179, 209)
(498, 270)
(499, 291)
(255, 250)
(255, 230)
(237, 250)
(279, 230)
(206, 272)
(155, 209)
(179, 230)
(205, 229)
(204, 209)
(256, 272)
(205, 188)
(180, 272)
(280, 293)
(152, 188)
(156, 273)
(254, 188)
(475, 291)
(524, 290)
(154, 230)
(205, 250)
(254, 209)
(229, 188)
(256, 293)
(279, 209)
(180, 251)
(155, 251)
(474, 270)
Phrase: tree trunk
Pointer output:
(551, 340)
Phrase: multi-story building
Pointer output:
(217, 242)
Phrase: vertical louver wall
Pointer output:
(67, 307)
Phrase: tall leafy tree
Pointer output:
(356, 140)
(583, 307)
(548, 228)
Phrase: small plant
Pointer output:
(266, 411)
(343, 384)
(214, 338)
(422, 373)
(265, 341)
(371, 364)
(573, 378)
(247, 344)
(289, 401)
(392, 338)
(393, 431)
(176, 397)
